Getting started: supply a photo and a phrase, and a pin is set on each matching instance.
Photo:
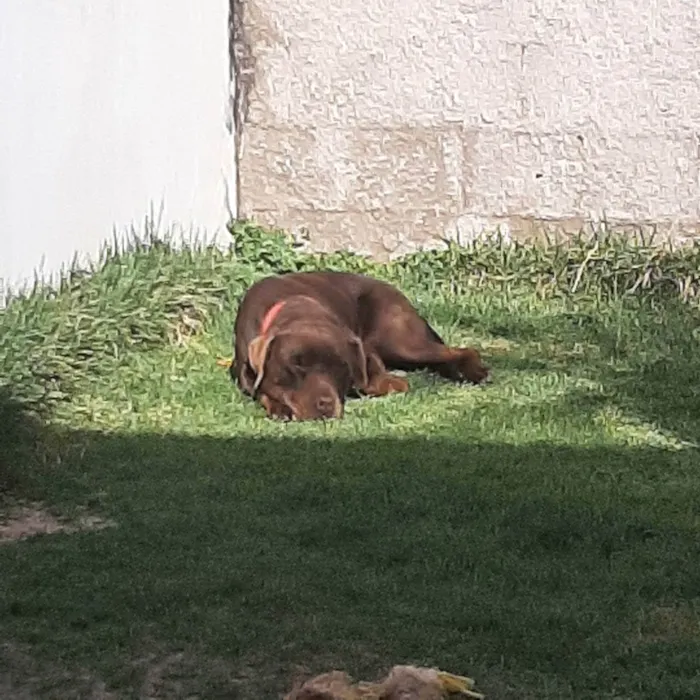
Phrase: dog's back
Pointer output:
(337, 291)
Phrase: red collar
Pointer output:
(270, 316)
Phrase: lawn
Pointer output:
(540, 533)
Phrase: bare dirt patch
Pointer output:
(669, 623)
(23, 677)
(20, 521)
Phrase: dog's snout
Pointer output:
(325, 405)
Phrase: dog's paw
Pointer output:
(397, 385)
(387, 384)
(470, 368)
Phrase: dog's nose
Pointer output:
(325, 405)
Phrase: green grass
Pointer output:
(541, 534)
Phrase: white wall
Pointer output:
(109, 108)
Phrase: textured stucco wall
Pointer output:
(109, 108)
(380, 125)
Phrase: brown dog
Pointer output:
(304, 341)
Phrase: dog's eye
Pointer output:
(295, 368)
(288, 377)
(297, 360)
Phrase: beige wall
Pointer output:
(385, 124)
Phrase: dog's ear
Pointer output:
(258, 349)
(358, 363)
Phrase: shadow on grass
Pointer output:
(18, 431)
(541, 570)
(544, 571)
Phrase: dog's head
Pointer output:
(306, 373)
